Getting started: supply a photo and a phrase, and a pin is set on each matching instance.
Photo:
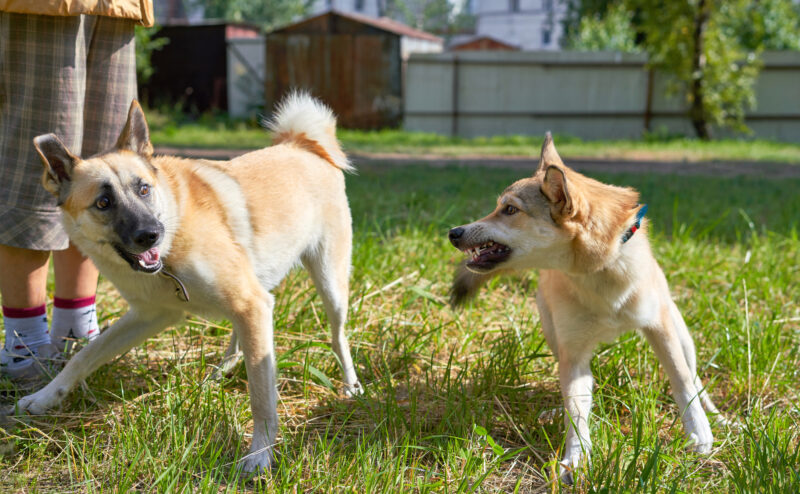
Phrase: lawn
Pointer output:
(216, 132)
(462, 401)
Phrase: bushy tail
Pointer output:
(466, 285)
(307, 122)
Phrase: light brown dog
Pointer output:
(598, 279)
(214, 238)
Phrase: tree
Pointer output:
(768, 25)
(268, 14)
(146, 43)
(612, 30)
(444, 17)
(691, 40)
(710, 48)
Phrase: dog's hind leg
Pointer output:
(252, 320)
(233, 355)
(689, 353)
(129, 331)
(670, 349)
(329, 267)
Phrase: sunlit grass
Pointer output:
(211, 132)
(459, 401)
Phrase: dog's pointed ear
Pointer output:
(549, 155)
(57, 160)
(556, 189)
(135, 135)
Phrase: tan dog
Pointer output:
(220, 234)
(598, 279)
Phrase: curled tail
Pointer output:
(306, 122)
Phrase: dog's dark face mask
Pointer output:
(130, 212)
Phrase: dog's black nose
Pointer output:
(146, 238)
(455, 234)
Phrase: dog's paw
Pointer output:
(722, 421)
(550, 416)
(256, 462)
(226, 366)
(698, 433)
(37, 403)
(355, 389)
(698, 430)
(568, 467)
(699, 444)
(575, 458)
(565, 473)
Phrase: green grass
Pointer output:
(459, 401)
(218, 132)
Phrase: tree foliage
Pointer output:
(612, 31)
(436, 16)
(768, 25)
(692, 41)
(269, 14)
(146, 42)
(710, 48)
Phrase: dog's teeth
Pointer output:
(142, 263)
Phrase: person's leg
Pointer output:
(23, 290)
(40, 75)
(23, 277)
(74, 311)
(76, 276)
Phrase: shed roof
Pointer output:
(316, 23)
(482, 42)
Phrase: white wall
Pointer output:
(523, 27)
(589, 95)
(369, 7)
(245, 76)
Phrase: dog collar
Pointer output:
(636, 225)
(180, 289)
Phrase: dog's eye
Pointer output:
(509, 210)
(103, 203)
(144, 190)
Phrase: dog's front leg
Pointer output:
(132, 329)
(575, 375)
(253, 325)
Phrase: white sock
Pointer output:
(26, 330)
(73, 320)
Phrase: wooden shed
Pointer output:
(192, 69)
(352, 62)
(482, 43)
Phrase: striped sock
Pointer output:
(26, 331)
(73, 320)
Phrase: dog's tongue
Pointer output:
(150, 257)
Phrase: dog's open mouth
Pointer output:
(486, 255)
(148, 261)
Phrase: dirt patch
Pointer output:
(603, 165)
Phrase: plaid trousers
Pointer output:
(72, 76)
